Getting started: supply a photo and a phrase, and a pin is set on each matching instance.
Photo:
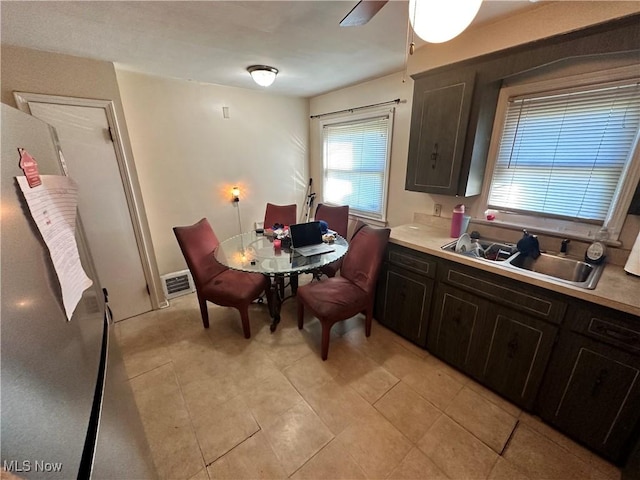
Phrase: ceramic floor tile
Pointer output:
(375, 444)
(311, 371)
(201, 475)
(494, 398)
(167, 425)
(253, 459)
(417, 465)
(210, 390)
(408, 411)
(505, 470)
(609, 470)
(361, 373)
(272, 397)
(337, 405)
(296, 436)
(143, 347)
(482, 418)
(223, 427)
(539, 457)
(332, 462)
(456, 451)
(434, 385)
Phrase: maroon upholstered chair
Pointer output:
(338, 220)
(339, 298)
(215, 282)
(284, 214)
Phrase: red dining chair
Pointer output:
(337, 219)
(215, 282)
(283, 214)
(340, 298)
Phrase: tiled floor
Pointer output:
(215, 405)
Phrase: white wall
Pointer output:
(188, 156)
(545, 20)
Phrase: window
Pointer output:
(566, 155)
(356, 153)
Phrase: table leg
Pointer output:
(276, 301)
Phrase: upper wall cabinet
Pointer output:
(454, 105)
(440, 116)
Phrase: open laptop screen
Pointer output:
(303, 234)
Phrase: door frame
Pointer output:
(128, 176)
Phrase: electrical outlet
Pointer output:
(437, 209)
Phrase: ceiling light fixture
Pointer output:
(440, 21)
(263, 75)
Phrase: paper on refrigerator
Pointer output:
(53, 206)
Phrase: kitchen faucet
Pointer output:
(563, 246)
(528, 245)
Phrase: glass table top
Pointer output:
(254, 252)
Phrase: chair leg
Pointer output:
(204, 312)
(326, 334)
(300, 314)
(367, 320)
(244, 316)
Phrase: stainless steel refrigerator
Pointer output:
(67, 410)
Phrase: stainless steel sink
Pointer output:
(489, 250)
(569, 270)
(563, 269)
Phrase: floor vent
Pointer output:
(177, 283)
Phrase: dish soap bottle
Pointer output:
(598, 249)
(456, 221)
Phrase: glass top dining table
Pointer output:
(256, 253)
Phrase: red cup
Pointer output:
(277, 244)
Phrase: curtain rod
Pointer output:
(351, 110)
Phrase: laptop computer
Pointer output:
(306, 239)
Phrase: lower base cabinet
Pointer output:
(503, 349)
(592, 388)
(405, 289)
(574, 363)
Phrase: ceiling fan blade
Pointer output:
(362, 12)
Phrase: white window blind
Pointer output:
(564, 154)
(356, 157)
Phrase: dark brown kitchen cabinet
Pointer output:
(503, 349)
(405, 286)
(500, 332)
(592, 387)
(439, 120)
(518, 353)
(453, 331)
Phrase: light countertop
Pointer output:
(616, 289)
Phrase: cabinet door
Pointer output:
(592, 392)
(518, 349)
(439, 122)
(458, 317)
(405, 303)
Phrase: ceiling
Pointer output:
(215, 41)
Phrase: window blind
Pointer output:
(563, 155)
(355, 162)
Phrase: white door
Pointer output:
(88, 150)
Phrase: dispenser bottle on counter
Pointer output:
(456, 221)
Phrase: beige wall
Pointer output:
(189, 156)
(542, 21)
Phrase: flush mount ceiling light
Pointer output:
(440, 21)
(263, 75)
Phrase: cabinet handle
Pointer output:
(601, 329)
(599, 381)
(434, 156)
(512, 347)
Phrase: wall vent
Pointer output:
(177, 283)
